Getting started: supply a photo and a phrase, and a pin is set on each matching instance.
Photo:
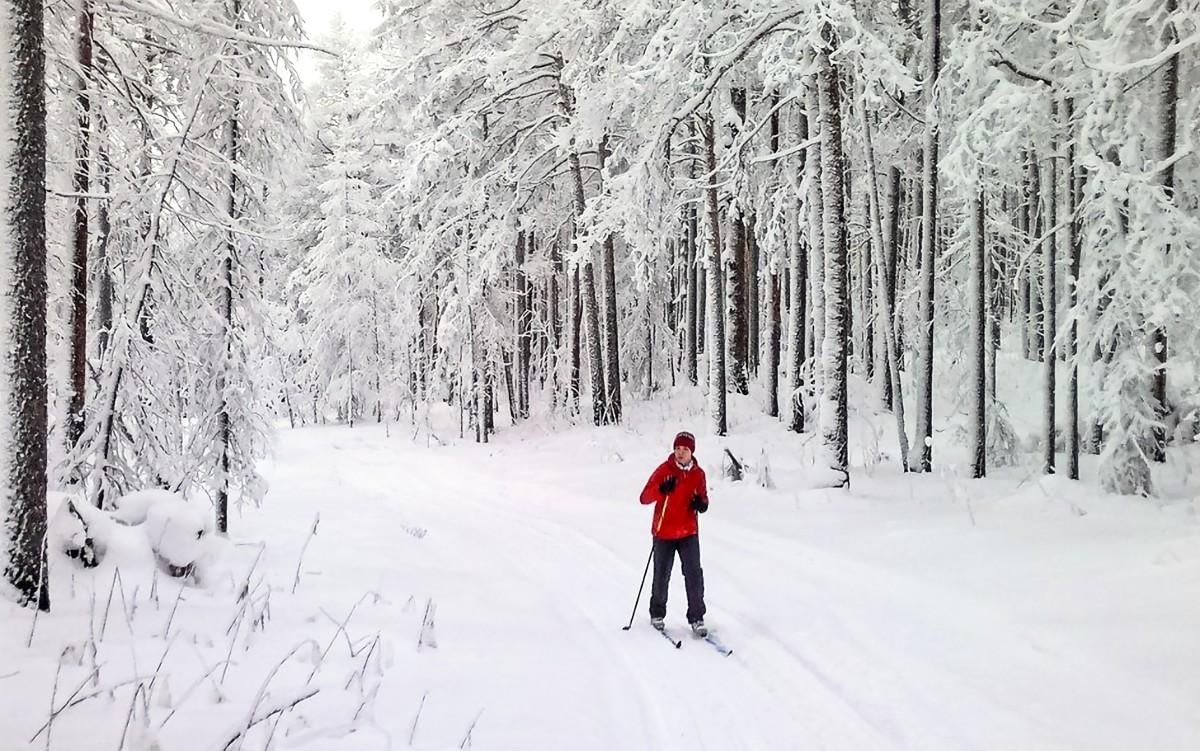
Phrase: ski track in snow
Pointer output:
(533, 580)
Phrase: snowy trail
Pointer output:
(533, 565)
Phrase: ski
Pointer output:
(716, 644)
(677, 642)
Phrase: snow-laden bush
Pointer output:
(175, 532)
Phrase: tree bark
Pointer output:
(691, 328)
(833, 415)
(887, 313)
(929, 227)
(1073, 246)
(735, 269)
(224, 418)
(977, 413)
(1168, 102)
(80, 183)
(612, 350)
(1050, 306)
(524, 326)
(716, 321)
(798, 279)
(23, 303)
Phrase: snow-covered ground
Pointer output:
(459, 595)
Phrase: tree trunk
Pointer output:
(612, 351)
(716, 321)
(23, 302)
(691, 333)
(1168, 102)
(833, 415)
(524, 325)
(80, 183)
(1037, 227)
(977, 412)
(104, 294)
(735, 269)
(774, 290)
(798, 279)
(1074, 246)
(891, 357)
(816, 244)
(1050, 305)
(224, 418)
(929, 228)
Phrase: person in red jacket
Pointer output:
(679, 492)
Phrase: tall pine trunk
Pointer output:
(80, 182)
(23, 301)
(774, 290)
(716, 322)
(1049, 306)
(104, 293)
(612, 350)
(891, 355)
(816, 244)
(798, 302)
(977, 411)
(224, 418)
(1168, 102)
(1074, 248)
(833, 415)
(929, 228)
(735, 267)
(524, 326)
(694, 310)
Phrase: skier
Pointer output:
(678, 491)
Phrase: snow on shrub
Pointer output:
(177, 530)
(132, 508)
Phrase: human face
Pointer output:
(683, 455)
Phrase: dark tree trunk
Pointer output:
(224, 418)
(928, 245)
(1072, 245)
(79, 228)
(735, 271)
(23, 218)
(716, 322)
(524, 326)
(1049, 307)
(104, 295)
(797, 310)
(694, 310)
(1168, 102)
(977, 413)
(612, 350)
(774, 290)
(834, 414)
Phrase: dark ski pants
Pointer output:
(693, 576)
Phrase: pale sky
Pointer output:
(318, 17)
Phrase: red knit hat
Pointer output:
(684, 438)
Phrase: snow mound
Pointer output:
(177, 529)
(133, 508)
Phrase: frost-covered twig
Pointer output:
(466, 741)
(141, 688)
(186, 694)
(251, 718)
(312, 533)
(75, 699)
(412, 731)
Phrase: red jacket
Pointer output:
(674, 516)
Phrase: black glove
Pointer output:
(667, 485)
(699, 505)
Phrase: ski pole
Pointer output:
(640, 587)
